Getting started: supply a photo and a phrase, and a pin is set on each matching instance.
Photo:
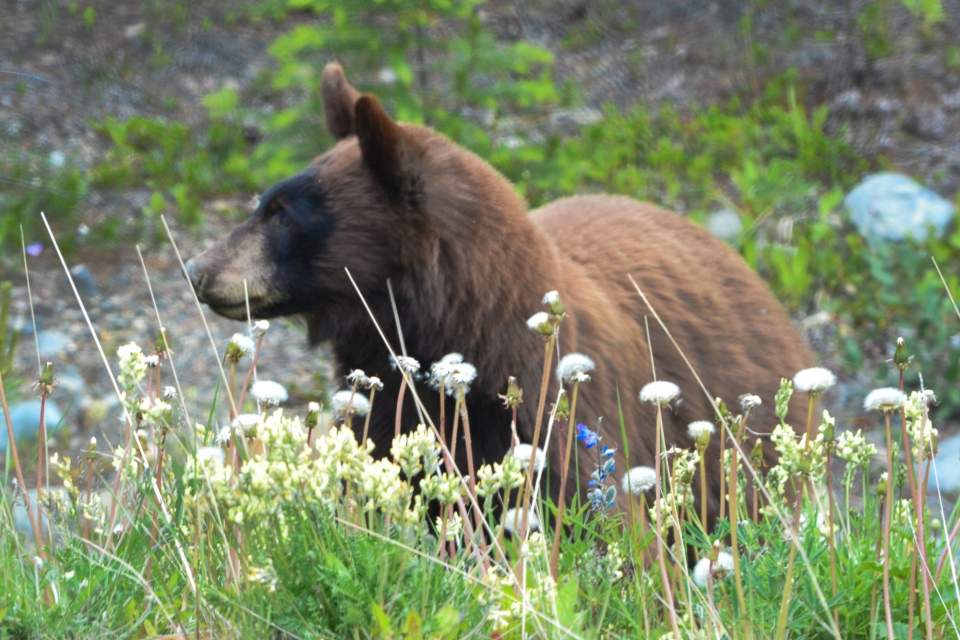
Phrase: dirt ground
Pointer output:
(57, 76)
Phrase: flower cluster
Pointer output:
(923, 435)
(853, 448)
(501, 476)
(133, 366)
(416, 451)
(603, 496)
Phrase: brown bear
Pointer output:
(469, 264)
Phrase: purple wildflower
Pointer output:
(586, 437)
(34, 249)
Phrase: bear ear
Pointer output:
(339, 98)
(382, 143)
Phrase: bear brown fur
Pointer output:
(469, 264)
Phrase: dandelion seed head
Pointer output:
(374, 383)
(244, 424)
(240, 345)
(313, 407)
(169, 393)
(525, 452)
(210, 456)
(346, 400)
(638, 480)
(268, 392)
(405, 363)
(814, 380)
(884, 399)
(659, 392)
(721, 567)
(513, 520)
(357, 377)
(700, 431)
(749, 401)
(575, 367)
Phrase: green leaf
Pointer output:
(382, 619)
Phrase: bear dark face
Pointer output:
(349, 210)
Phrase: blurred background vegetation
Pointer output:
(761, 115)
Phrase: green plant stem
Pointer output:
(781, 631)
(32, 516)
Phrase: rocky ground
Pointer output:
(57, 75)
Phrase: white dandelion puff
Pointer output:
(884, 399)
(700, 431)
(169, 393)
(719, 568)
(513, 520)
(659, 392)
(405, 363)
(244, 424)
(268, 392)
(346, 400)
(639, 480)
(357, 377)
(575, 367)
(242, 344)
(814, 380)
(374, 383)
(525, 452)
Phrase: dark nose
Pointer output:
(195, 274)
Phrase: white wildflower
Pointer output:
(268, 392)
(374, 383)
(575, 367)
(152, 361)
(659, 392)
(346, 400)
(718, 568)
(639, 480)
(168, 393)
(884, 399)
(154, 412)
(526, 452)
(814, 380)
(405, 363)
(854, 448)
(133, 366)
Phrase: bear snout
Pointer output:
(196, 275)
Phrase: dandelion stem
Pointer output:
(734, 544)
(537, 426)
(564, 472)
(887, 518)
(658, 513)
(400, 394)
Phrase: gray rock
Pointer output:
(86, 283)
(892, 206)
(25, 416)
(928, 122)
(70, 384)
(53, 343)
(725, 224)
(948, 466)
